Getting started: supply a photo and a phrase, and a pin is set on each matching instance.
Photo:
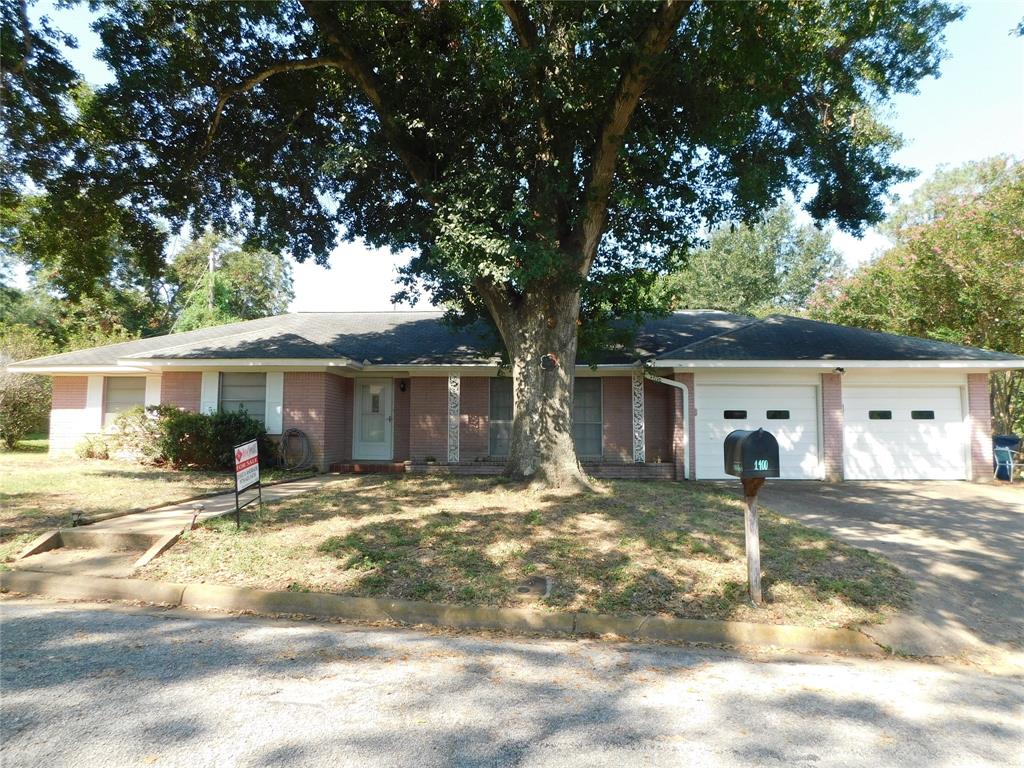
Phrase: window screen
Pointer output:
(501, 416)
(586, 417)
(777, 414)
(734, 414)
(922, 414)
(121, 393)
(244, 391)
(879, 415)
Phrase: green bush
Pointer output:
(160, 434)
(93, 447)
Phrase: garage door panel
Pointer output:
(902, 447)
(797, 434)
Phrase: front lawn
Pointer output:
(37, 493)
(627, 548)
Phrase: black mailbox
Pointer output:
(751, 453)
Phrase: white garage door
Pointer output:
(904, 433)
(788, 412)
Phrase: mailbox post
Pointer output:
(752, 456)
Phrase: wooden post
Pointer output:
(751, 485)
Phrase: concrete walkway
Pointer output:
(962, 543)
(109, 555)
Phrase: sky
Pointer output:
(973, 110)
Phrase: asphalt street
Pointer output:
(90, 685)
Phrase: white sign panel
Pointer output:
(247, 465)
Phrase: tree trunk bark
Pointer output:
(540, 335)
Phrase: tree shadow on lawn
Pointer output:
(642, 548)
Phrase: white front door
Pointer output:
(788, 412)
(904, 433)
(373, 427)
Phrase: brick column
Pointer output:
(679, 439)
(832, 426)
(979, 410)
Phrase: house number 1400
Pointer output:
(761, 465)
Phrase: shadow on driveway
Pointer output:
(963, 544)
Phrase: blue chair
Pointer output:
(1006, 462)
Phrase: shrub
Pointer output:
(24, 399)
(206, 441)
(93, 447)
(138, 433)
(162, 434)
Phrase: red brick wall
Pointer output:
(401, 444)
(979, 408)
(474, 402)
(305, 408)
(67, 412)
(832, 425)
(617, 415)
(428, 418)
(658, 407)
(69, 392)
(679, 437)
(181, 390)
(337, 431)
(348, 394)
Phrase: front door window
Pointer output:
(373, 428)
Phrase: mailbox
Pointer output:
(751, 453)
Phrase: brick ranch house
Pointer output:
(403, 388)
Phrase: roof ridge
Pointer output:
(753, 321)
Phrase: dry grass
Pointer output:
(37, 493)
(628, 547)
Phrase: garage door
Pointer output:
(904, 433)
(788, 412)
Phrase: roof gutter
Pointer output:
(686, 416)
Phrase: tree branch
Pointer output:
(371, 86)
(632, 83)
(249, 83)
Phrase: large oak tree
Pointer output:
(530, 154)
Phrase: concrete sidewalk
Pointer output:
(117, 546)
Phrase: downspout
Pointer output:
(686, 416)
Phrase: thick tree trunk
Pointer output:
(540, 335)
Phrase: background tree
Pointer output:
(533, 155)
(245, 285)
(773, 265)
(955, 272)
(24, 400)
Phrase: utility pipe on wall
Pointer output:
(686, 417)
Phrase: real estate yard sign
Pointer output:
(247, 475)
(247, 465)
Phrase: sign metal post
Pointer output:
(247, 475)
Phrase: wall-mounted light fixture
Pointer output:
(840, 371)
(401, 385)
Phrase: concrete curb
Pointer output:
(517, 620)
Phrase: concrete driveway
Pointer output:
(962, 543)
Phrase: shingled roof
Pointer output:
(422, 338)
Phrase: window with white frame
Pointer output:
(244, 392)
(587, 417)
(500, 422)
(121, 393)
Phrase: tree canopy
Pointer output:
(955, 272)
(773, 265)
(534, 156)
